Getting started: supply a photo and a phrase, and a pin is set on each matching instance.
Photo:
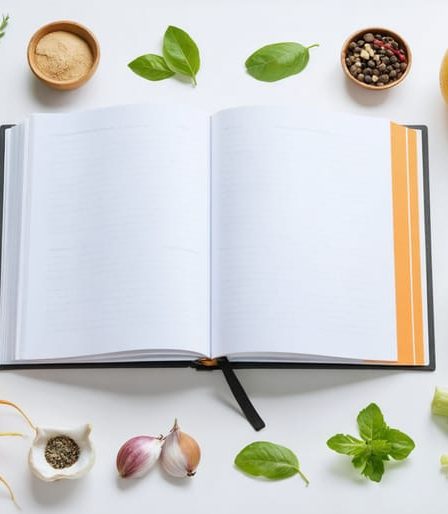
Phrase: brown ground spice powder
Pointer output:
(63, 56)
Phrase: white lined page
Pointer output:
(118, 249)
(302, 234)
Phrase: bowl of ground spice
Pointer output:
(63, 54)
(376, 58)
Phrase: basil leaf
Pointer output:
(151, 67)
(346, 444)
(278, 61)
(374, 468)
(401, 445)
(181, 52)
(268, 460)
(371, 423)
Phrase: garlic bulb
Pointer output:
(138, 455)
(56, 454)
(180, 453)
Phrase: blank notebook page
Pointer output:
(118, 249)
(303, 251)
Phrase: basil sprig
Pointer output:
(180, 55)
(278, 61)
(268, 460)
(378, 443)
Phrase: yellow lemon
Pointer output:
(444, 77)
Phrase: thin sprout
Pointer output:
(11, 494)
(11, 404)
(14, 434)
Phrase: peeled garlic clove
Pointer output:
(180, 453)
(138, 455)
(57, 454)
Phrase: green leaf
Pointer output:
(151, 67)
(380, 447)
(359, 461)
(440, 402)
(278, 61)
(181, 52)
(401, 445)
(346, 444)
(371, 423)
(374, 468)
(268, 460)
(3, 24)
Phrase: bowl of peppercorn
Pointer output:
(376, 58)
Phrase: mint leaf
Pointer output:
(278, 61)
(374, 468)
(379, 443)
(181, 52)
(268, 460)
(346, 444)
(380, 447)
(401, 445)
(360, 461)
(371, 422)
(151, 67)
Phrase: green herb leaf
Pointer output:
(440, 402)
(3, 24)
(278, 61)
(181, 52)
(151, 67)
(374, 468)
(401, 445)
(379, 444)
(346, 444)
(360, 460)
(268, 460)
(371, 423)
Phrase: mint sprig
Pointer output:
(3, 24)
(378, 443)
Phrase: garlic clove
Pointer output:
(138, 455)
(180, 453)
(54, 449)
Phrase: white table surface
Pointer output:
(301, 408)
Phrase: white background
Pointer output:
(301, 408)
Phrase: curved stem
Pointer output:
(307, 482)
(312, 46)
(18, 434)
(18, 409)
(11, 494)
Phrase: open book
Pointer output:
(266, 235)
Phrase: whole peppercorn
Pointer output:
(375, 59)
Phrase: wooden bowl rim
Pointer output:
(385, 32)
(65, 26)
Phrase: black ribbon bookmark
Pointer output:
(240, 395)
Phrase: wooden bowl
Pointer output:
(74, 28)
(384, 32)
